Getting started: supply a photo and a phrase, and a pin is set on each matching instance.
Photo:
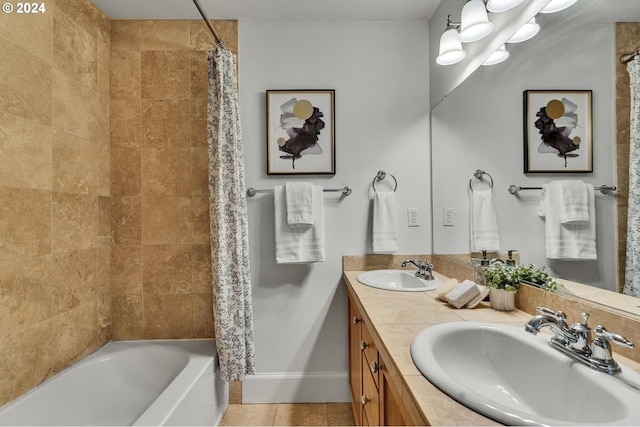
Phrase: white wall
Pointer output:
(480, 126)
(380, 73)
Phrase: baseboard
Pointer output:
(296, 387)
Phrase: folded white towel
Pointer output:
(299, 197)
(575, 205)
(298, 244)
(567, 241)
(385, 235)
(483, 222)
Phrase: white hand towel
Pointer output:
(575, 204)
(385, 235)
(298, 244)
(567, 241)
(299, 197)
(483, 222)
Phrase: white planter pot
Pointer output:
(502, 300)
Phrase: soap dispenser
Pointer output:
(510, 261)
(478, 269)
(484, 262)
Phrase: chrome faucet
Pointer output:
(575, 340)
(423, 268)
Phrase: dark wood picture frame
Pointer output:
(558, 131)
(301, 132)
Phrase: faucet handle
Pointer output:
(617, 339)
(558, 315)
(585, 318)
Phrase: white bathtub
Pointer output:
(158, 382)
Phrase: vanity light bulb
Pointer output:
(557, 5)
(498, 6)
(497, 57)
(475, 23)
(527, 31)
(451, 51)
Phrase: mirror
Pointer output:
(480, 126)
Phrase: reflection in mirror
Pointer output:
(480, 126)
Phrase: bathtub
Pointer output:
(158, 382)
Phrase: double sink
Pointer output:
(512, 376)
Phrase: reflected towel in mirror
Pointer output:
(575, 201)
(484, 231)
(576, 240)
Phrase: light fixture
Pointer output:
(557, 5)
(527, 31)
(498, 6)
(474, 23)
(498, 56)
(451, 51)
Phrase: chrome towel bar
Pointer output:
(604, 189)
(346, 191)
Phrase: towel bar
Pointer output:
(604, 189)
(346, 191)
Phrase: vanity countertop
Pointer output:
(397, 317)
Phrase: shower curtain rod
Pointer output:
(629, 56)
(206, 20)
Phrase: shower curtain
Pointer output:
(632, 270)
(228, 219)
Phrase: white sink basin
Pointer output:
(509, 375)
(397, 280)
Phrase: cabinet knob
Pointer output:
(363, 345)
(364, 399)
(355, 320)
(374, 367)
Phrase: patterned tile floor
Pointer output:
(289, 414)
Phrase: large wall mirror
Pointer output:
(479, 125)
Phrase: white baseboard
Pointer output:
(296, 387)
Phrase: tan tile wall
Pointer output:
(54, 191)
(161, 269)
(627, 41)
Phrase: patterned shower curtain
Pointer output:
(632, 270)
(229, 224)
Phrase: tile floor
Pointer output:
(288, 414)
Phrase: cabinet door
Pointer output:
(355, 361)
(392, 409)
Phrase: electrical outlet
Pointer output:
(447, 217)
(412, 217)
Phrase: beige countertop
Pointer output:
(397, 317)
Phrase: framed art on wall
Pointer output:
(301, 132)
(558, 131)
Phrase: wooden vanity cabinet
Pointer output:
(355, 361)
(375, 398)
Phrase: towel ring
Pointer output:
(382, 175)
(479, 174)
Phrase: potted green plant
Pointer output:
(504, 282)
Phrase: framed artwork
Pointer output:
(301, 132)
(557, 131)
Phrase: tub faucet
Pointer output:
(575, 340)
(423, 268)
